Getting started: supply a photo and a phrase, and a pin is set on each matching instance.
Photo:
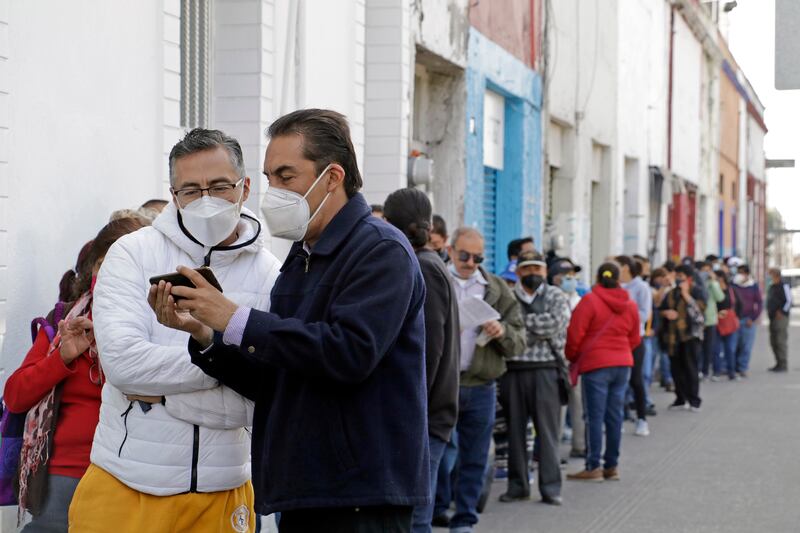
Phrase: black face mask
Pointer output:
(532, 281)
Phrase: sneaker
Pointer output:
(675, 406)
(587, 475)
(611, 474)
(743, 375)
(642, 429)
(694, 409)
(777, 368)
(566, 435)
(651, 410)
(715, 378)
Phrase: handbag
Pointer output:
(728, 324)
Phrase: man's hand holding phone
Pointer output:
(199, 310)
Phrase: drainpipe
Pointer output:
(673, 220)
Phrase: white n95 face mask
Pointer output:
(287, 212)
(211, 220)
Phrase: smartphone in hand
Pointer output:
(179, 280)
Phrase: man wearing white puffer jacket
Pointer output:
(171, 452)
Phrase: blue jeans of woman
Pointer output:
(603, 402)
(729, 345)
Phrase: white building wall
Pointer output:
(87, 139)
(756, 159)
(171, 102)
(582, 98)
(641, 132)
(387, 109)
(686, 105)
(5, 174)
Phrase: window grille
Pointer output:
(195, 63)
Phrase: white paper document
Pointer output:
(474, 312)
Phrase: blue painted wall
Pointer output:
(519, 188)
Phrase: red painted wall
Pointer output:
(513, 24)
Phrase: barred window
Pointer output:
(195, 63)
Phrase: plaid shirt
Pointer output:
(688, 325)
(546, 320)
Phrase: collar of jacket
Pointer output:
(493, 290)
(355, 210)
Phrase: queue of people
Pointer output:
(353, 388)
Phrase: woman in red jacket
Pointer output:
(601, 337)
(71, 361)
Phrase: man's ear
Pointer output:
(336, 176)
(246, 193)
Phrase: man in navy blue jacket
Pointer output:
(337, 366)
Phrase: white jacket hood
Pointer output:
(197, 440)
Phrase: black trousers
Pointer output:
(637, 383)
(383, 519)
(532, 394)
(684, 372)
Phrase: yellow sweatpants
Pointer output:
(102, 504)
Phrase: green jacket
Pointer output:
(489, 362)
(715, 295)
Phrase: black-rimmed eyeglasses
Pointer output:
(188, 195)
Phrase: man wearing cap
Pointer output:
(484, 351)
(515, 247)
(561, 274)
(530, 388)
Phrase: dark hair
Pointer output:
(155, 203)
(439, 226)
(515, 246)
(105, 238)
(744, 269)
(640, 258)
(700, 265)
(326, 140)
(711, 258)
(409, 210)
(657, 273)
(376, 207)
(633, 267)
(67, 287)
(669, 266)
(608, 276)
(199, 140)
(686, 270)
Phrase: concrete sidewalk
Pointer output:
(731, 468)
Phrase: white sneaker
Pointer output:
(642, 429)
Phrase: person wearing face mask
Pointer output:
(681, 334)
(533, 386)
(749, 294)
(172, 452)
(439, 238)
(562, 273)
(336, 367)
(68, 368)
(484, 351)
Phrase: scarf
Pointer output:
(40, 425)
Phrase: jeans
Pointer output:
(664, 365)
(444, 479)
(747, 336)
(476, 409)
(53, 518)
(603, 401)
(421, 521)
(379, 519)
(651, 353)
(729, 344)
(709, 358)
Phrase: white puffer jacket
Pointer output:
(197, 441)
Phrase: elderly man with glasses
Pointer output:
(484, 350)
